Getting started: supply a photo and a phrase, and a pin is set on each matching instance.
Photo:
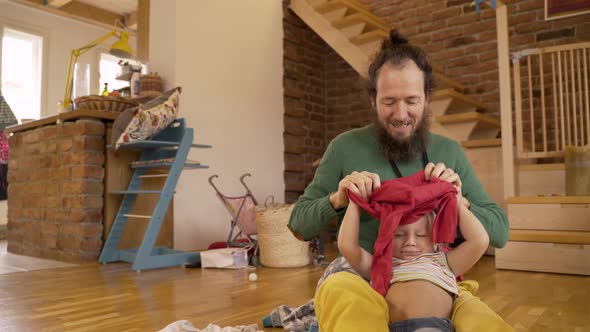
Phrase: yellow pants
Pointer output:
(345, 302)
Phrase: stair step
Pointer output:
(354, 30)
(542, 167)
(350, 52)
(329, 6)
(573, 237)
(367, 37)
(370, 49)
(444, 82)
(316, 3)
(466, 126)
(357, 18)
(459, 102)
(135, 192)
(335, 14)
(469, 116)
(482, 143)
(549, 200)
(351, 5)
(377, 36)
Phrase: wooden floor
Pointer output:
(112, 297)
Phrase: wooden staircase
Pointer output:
(355, 34)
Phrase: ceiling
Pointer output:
(100, 12)
(122, 7)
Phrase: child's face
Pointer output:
(413, 239)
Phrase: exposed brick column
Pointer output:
(55, 189)
(304, 98)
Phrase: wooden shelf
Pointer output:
(72, 115)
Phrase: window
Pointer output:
(22, 60)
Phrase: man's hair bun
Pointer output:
(396, 38)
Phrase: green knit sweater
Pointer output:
(359, 150)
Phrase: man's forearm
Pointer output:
(310, 216)
(494, 221)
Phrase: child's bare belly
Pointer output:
(417, 299)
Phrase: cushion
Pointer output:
(146, 120)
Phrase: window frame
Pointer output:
(29, 29)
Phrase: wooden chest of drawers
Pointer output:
(548, 234)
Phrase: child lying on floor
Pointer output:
(423, 284)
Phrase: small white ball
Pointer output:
(252, 276)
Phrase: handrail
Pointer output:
(552, 105)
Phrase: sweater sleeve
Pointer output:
(492, 217)
(313, 210)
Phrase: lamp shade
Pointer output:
(121, 47)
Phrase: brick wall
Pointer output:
(457, 38)
(55, 178)
(464, 43)
(304, 80)
(347, 101)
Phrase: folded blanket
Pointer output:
(301, 319)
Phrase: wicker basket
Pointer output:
(278, 246)
(104, 103)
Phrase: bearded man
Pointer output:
(397, 144)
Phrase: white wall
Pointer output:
(62, 35)
(227, 56)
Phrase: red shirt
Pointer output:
(403, 201)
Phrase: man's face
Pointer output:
(400, 99)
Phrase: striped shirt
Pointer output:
(431, 267)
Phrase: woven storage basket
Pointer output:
(278, 246)
(105, 103)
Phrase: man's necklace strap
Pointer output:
(396, 169)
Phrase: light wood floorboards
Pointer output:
(112, 297)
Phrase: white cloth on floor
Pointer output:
(186, 326)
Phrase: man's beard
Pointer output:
(408, 149)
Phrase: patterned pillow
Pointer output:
(149, 119)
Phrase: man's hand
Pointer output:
(362, 184)
(443, 173)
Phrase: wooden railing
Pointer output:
(552, 106)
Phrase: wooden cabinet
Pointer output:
(548, 234)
